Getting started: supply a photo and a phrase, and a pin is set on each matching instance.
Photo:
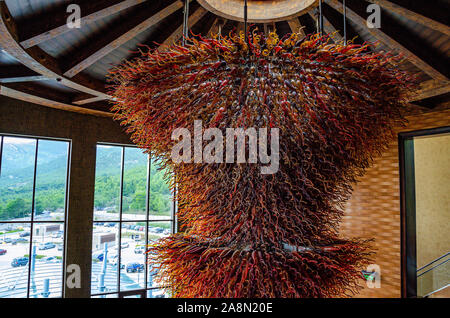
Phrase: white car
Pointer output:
(50, 260)
(114, 261)
(139, 249)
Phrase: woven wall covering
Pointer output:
(374, 208)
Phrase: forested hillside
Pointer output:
(16, 180)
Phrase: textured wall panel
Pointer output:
(374, 208)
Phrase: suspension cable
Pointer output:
(245, 20)
(185, 21)
(320, 18)
(345, 22)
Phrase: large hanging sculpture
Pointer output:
(247, 234)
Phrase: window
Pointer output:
(424, 189)
(33, 201)
(133, 206)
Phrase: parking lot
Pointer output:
(15, 240)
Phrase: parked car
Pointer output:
(24, 234)
(135, 268)
(50, 260)
(60, 247)
(11, 241)
(21, 240)
(115, 260)
(98, 256)
(8, 240)
(46, 246)
(159, 230)
(139, 249)
(56, 235)
(19, 261)
(2, 252)
(125, 245)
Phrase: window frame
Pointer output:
(147, 220)
(32, 222)
(408, 263)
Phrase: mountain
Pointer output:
(20, 155)
(17, 169)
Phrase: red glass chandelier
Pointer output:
(243, 233)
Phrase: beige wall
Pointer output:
(374, 209)
(432, 174)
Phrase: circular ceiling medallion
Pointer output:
(259, 11)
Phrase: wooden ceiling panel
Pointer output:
(40, 51)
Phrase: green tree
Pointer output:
(138, 203)
(156, 202)
(16, 208)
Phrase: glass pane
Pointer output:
(104, 269)
(134, 184)
(106, 296)
(107, 183)
(14, 251)
(160, 194)
(156, 230)
(16, 179)
(432, 214)
(47, 260)
(137, 295)
(51, 176)
(157, 293)
(434, 278)
(132, 272)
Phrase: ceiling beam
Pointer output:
(53, 25)
(431, 88)
(21, 79)
(41, 62)
(389, 42)
(413, 16)
(99, 49)
(215, 27)
(31, 98)
(328, 28)
(296, 26)
(17, 74)
(83, 99)
(178, 33)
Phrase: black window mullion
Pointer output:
(32, 218)
(174, 207)
(66, 207)
(119, 248)
(147, 211)
(1, 154)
